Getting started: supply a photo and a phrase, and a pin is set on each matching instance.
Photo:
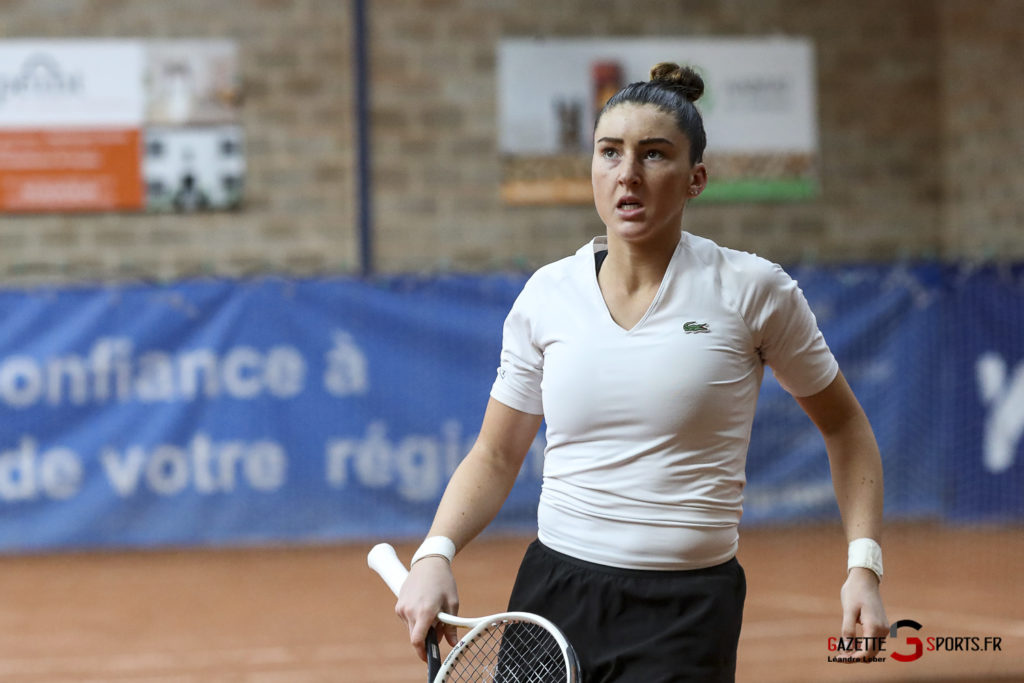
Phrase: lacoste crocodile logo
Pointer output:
(694, 327)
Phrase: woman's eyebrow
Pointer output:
(645, 141)
(657, 141)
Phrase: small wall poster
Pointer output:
(119, 125)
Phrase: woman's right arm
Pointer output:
(474, 494)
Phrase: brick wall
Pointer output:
(298, 120)
(879, 108)
(895, 113)
(983, 133)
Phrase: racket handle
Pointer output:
(383, 559)
(433, 655)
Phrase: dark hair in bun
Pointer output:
(682, 78)
(673, 89)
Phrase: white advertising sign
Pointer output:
(71, 83)
(759, 109)
(120, 125)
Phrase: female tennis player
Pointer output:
(645, 352)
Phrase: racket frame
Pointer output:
(383, 559)
(481, 624)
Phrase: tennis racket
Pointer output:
(512, 647)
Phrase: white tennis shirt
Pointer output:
(648, 428)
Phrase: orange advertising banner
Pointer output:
(70, 169)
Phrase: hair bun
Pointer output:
(680, 78)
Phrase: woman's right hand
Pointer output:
(429, 589)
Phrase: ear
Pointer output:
(698, 180)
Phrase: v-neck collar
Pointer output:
(600, 243)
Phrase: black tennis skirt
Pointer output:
(638, 626)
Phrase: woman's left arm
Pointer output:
(857, 479)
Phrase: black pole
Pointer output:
(364, 194)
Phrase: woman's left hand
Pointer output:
(862, 605)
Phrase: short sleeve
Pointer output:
(518, 384)
(788, 337)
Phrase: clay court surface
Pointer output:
(303, 614)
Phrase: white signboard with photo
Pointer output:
(759, 110)
(119, 125)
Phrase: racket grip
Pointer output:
(433, 655)
(383, 559)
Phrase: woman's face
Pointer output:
(641, 173)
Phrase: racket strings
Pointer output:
(510, 652)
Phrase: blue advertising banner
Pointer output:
(206, 413)
(213, 413)
(983, 373)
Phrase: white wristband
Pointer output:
(865, 552)
(435, 546)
